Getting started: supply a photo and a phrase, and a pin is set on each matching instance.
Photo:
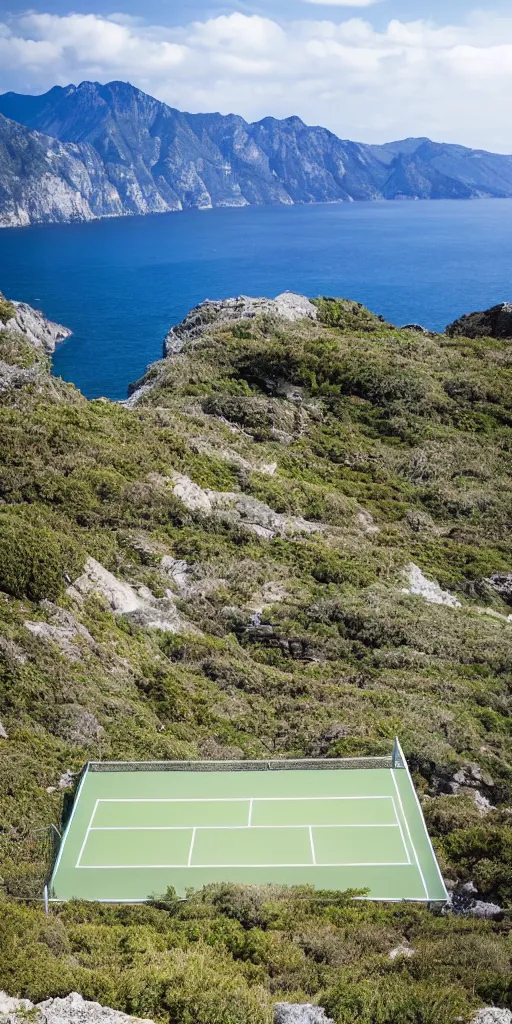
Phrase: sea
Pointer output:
(120, 284)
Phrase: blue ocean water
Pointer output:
(120, 284)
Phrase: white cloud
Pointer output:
(451, 82)
(343, 3)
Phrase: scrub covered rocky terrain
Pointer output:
(292, 540)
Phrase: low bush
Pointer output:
(35, 558)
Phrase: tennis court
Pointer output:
(135, 829)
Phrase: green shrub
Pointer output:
(34, 557)
(205, 988)
(7, 310)
(396, 999)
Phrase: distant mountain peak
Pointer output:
(111, 149)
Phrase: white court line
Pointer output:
(191, 847)
(251, 801)
(409, 833)
(402, 833)
(312, 844)
(226, 828)
(226, 799)
(185, 867)
(82, 848)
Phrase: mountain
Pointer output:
(295, 544)
(123, 152)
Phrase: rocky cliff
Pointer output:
(44, 180)
(109, 150)
(495, 322)
(27, 338)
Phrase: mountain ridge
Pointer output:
(124, 152)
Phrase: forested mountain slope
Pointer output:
(235, 564)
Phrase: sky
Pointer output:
(370, 70)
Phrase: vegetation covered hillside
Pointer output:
(223, 568)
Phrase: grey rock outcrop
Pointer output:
(139, 604)
(495, 322)
(469, 778)
(464, 905)
(62, 629)
(300, 1013)
(17, 319)
(72, 1009)
(401, 950)
(492, 1015)
(42, 333)
(429, 590)
(65, 781)
(288, 306)
(239, 508)
(501, 582)
(415, 328)
(77, 725)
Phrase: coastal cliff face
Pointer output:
(296, 544)
(110, 150)
(27, 339)
(43, 180)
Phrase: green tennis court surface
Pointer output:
(136, 829)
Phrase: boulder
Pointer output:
(300, 1013)
(3, 733)
(495, 322)
(95, 579)
(66, 780)
(464, 905)
(401, 950)
(72, 1009)
(472, 776)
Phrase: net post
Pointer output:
(398, 760)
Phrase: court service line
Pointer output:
(251, 801)
(217, 828)
(186, 867)
(402, 833)
(312, 845)
(409, 833)
(226, 799)
(82, 848)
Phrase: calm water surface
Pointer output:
(120, 284)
